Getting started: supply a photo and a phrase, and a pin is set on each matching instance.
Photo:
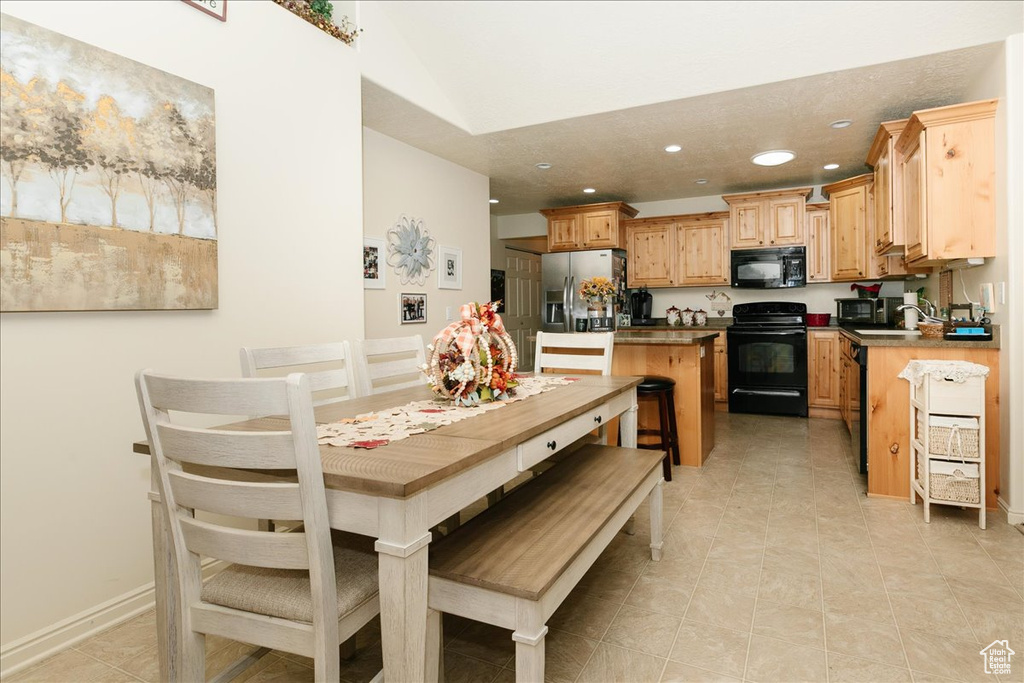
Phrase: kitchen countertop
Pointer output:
(715, 323)
(666, 336)
(917, 341)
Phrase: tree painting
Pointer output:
(109, 192)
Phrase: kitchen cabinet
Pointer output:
(947, 182)
(689, 250)
(889, 233)
(819, 244)
(850, 222)
(721, 372)
(761, 220)
(703, 257)
(591, 226)
(823, 372)
(651, 247)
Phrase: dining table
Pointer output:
(397, 492)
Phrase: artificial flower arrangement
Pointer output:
(597, 290)
(474, 359)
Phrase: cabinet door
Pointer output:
(564, 233)
(823, 366)
(703, 257)
(600, 230)
(819, 266)
(721, 369)
(912, 184)
(651, 250)
(849, 233)
(748, 224)
(883, 238)
(786, 222)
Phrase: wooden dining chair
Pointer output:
(304, 592)
(384, 365)
(559, 352)
(329, 384)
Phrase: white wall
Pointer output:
(74, 517)
(452, 201)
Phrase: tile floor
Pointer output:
(777, 567)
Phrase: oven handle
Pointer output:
(767, 333)
(766, 392)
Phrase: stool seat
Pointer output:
(653, 383)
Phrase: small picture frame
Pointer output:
(449, 268)
(412, 308)
(218, 9)
(622, 320)
(374, 263)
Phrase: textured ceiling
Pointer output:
(621, 153)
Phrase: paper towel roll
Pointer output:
(909, 314)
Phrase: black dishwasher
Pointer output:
(859, 406)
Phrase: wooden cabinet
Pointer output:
(850, 222)
(947, 182)
(650, 251)
(889, 233)
(721, 372)
(823, 371)
(819, 244)
(761, 220)
(703, 252)
(592, 226)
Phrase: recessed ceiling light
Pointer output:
(701, 181)
(543, 166)
(589, 190)
(841, 123)
(494, 201)
(773, 157)
(672, 149)
(830, 167)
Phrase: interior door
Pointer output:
(522, 315)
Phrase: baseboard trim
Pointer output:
(22, 653)
(1012, 516)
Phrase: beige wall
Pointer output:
(74, 517)
(452, 201)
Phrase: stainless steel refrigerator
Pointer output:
(561, 275)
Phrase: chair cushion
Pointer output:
(656, 383)
(285, 593)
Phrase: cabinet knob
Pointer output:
(773, 241)
(760, 241)
(552, 445)
(860, 272)
(597, 419)
(878, 243)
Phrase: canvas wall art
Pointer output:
(108, 199)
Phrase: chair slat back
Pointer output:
(295, 358)
(252, 548)
(237, 499)
(218, 448)
(389, 364)
(597, 357)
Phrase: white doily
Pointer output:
(953, 370)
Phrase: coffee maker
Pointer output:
(641, 302)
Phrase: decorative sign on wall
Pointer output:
(217, 9)
(374, 270)
(449, 270)
(410, 250)
(109, 192)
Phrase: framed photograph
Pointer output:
(449, 268)
(374, 262)
(218, 9)
(412, 308)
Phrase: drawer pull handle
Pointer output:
(597, 419)
(552, 445)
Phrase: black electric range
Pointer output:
(768, 358)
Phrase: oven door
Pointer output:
(768, 371)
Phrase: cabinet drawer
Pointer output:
(954, 398)
(543, 446)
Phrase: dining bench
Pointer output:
(512, 565)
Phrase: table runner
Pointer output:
(371, 430)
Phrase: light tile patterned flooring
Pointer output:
(777, 567)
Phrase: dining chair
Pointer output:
(389, 364)
(305, 591)
(327, 383)
(585, 346)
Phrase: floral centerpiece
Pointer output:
(474, 359)
(597, 290)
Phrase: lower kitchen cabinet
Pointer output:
(823, 371)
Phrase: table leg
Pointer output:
(402, 554)
(627, 424)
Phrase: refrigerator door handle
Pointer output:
(567, 310)
(572, 302)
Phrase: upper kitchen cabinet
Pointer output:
(850, 220)
(819, 244)
(651, 245)
(767, 219)
(592, 226)
(703, 256)
(889, 234)
(947, 178)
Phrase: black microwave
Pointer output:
(770, 268)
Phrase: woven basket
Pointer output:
(959, 441)
(931, 330)
(954, 488)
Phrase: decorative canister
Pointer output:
(687, 316)
(700, 317)
(672, 316)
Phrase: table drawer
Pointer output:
(543, 446)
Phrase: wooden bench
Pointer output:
(514, 564)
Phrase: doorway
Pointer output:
(522, 302)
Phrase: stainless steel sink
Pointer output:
(895, 333)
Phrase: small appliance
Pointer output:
(876, 311)
(769, 268)
(641, 302)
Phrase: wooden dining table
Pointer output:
(397, 492)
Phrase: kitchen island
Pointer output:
(888, 405)
(687, 356)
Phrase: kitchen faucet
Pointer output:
(924, 316)
(931, 306)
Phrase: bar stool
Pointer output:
(662, 388)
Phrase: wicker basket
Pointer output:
(931, 330)
(954, 482)
(956, 437)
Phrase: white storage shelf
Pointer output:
(955, 403)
